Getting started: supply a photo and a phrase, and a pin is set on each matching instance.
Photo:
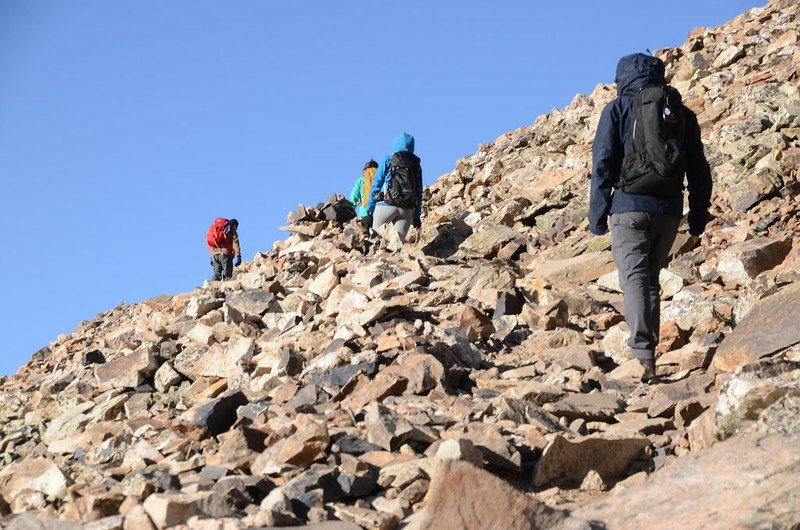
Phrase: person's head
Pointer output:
(404, 142)
(234, 224)
(637, 71)
(369, 170)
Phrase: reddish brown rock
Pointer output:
(671, 337)
(476, 324)
(744, 261)
(375, 390)
(306, 445)
(422, 372)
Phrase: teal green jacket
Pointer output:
(355, 197)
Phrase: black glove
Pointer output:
(417, 222)
(366, 222)
(237, 261)
(599, 229)
(697, 222)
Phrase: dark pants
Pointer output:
(640, 243)
(223, 267)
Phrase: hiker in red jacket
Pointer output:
(223, 245)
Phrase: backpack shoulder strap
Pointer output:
(653, 93)
(674, 96)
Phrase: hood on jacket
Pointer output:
(403, 142)
(637, 71)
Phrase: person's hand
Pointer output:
(417, 223)
(366, 221)
(697, 222)
(599, 230)
(237, 261)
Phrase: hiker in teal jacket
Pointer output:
(360, 194)
(379, 207)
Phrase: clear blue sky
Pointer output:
(127, 126)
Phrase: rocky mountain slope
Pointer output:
(475, 377)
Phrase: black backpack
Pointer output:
(655, 161)
(404, 171)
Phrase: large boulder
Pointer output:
(37, 474)
(739, 483)
(744, 261)
(771, 326)
(466, 497)
(761, 397)
(564, 461)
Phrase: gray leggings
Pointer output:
(402, 218)
(640, 243)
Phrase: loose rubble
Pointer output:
(343, 380)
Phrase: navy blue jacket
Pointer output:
(633, 73)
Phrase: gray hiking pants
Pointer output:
(640, 243)
(223, 267)
(402, 218)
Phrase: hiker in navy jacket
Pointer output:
(643, 227)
